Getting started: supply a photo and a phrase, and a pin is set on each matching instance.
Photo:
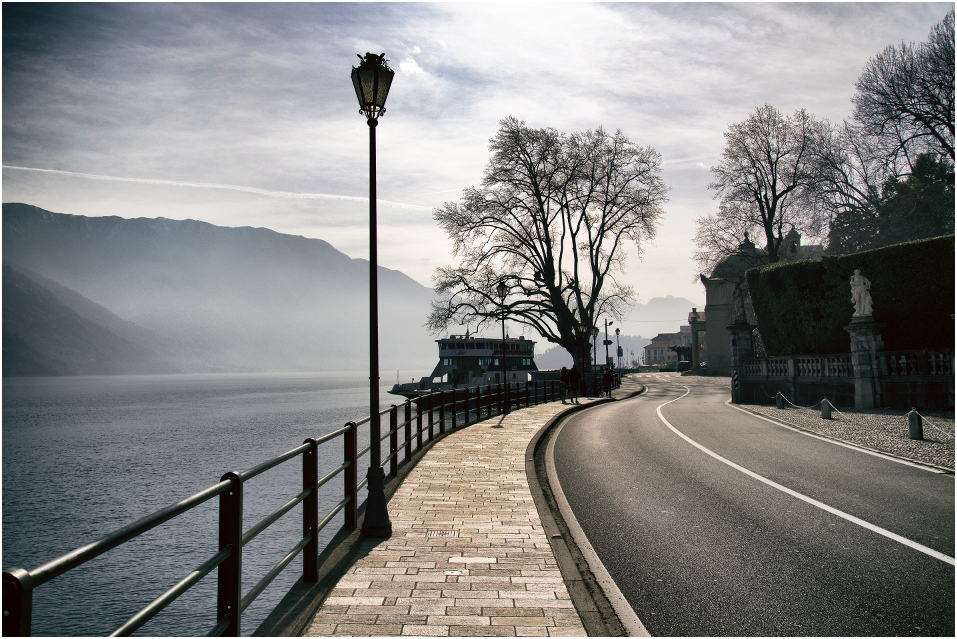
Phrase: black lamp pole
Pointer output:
(618, 347)
(372, 80)
(584, 334)
(502, 292)
(607, 341)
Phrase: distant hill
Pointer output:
(43, 336)
(191, 296)
(556, 356)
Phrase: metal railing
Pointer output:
(443, 409)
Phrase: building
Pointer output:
(661, 344)
(727, 299)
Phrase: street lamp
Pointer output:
(372, 79)
(584, 333)
(618, 347)
(607, 341)
(502, 292)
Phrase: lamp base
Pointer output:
(376, 524)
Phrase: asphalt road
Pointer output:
(861, 546)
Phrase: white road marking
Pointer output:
(830, 440)
(834, 511)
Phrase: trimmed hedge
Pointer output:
(802, 307)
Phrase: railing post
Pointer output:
(431, 415)
(351, 475)
(230, 572)
(310, 512)
(468, 401)
(408, 429)
(455, 408)
(394, 441)
(442, 401)
(17, 603)
(501, 399)
(418, 421)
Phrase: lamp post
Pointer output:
(618, 347)
(372, 80)
(584, 333)
(502, 292)
(607, 341)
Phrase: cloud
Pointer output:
(228, 187)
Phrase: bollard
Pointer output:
(825, 409)
(779, 400)
(915, 424)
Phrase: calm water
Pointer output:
(83, 456)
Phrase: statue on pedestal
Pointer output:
(861, 295)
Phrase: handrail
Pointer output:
(448, 407)
(81, 555)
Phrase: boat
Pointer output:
(467, 361)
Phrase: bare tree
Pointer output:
(766, 179)
(905, 96)
(552, 219)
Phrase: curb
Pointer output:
(596, 611)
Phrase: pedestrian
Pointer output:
(563, 383)
(574, 379)
(606, 378)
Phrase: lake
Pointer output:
(84, 456)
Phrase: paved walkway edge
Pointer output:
(602, 608)
(293, 614)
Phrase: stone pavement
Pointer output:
(468, 554)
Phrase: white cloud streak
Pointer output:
(228, 187)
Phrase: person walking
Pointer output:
(606, 378)
(574, 379)
(563, 383)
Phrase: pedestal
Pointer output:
(740, 348)
(866, 342)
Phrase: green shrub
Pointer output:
(802, 307)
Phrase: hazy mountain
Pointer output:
(664, 314)
(217, 298)
(42, 336)
(556, 356)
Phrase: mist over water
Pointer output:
(84, 456)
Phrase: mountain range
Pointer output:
(112, 295)
(107, 295)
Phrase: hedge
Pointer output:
(802, 307)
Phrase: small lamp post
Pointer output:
(607, 341)
(372, 80)
(502, 290)
(618, 347)
(584, 333)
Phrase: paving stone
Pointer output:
(504, 579)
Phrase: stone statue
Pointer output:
(737, 300)
(861, 295)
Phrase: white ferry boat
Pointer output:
(467, 361)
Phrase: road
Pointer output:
(723, 524)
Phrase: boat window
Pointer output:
(470, 345)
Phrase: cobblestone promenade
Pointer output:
(468, 555)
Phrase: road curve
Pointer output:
(714, 522)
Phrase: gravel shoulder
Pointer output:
(886, 431)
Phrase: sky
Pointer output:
(244, 114)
